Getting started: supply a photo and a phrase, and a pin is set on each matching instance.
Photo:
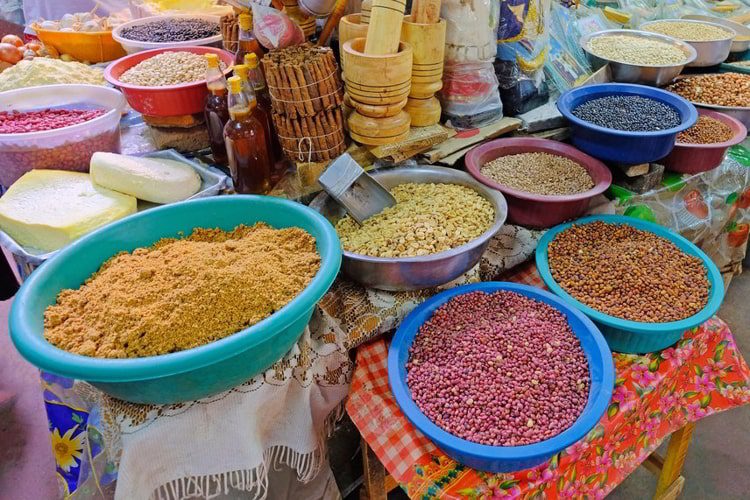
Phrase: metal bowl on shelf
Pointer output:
(741, 43)
(710, 53)
(656, 75)
(413, 273)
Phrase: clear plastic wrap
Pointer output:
(567, 64)
(470, 96)
(274, 29)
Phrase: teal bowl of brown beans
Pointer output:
(641, 283)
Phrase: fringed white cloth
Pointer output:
(231, 441)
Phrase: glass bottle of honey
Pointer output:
(255, 75)
(247, 149)
(216, 110)
(247, 43)
(241, 70)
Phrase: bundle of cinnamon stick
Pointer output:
(303, 80)
(306, 94)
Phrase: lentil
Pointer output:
(628, 112)
(168, 68)
(723, 89)
(628, 273)
(18, 122)
(172, 30)
(706, 130)
(498, 369)
(636, 50)
(539, 173)
(689, 31)
(427, 218)
(183, 293)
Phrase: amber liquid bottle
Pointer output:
(241, 70)
(247, 149)
(247, 43)
(258, 82)
(216, 110)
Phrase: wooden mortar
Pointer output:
(428, 46)
(350, 27)
(377, 86)
(365, 15)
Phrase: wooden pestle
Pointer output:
(426, 11)
(384, 32)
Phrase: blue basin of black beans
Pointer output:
(629, 113)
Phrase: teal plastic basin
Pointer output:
(193, 373)
(636, 337)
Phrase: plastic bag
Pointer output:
(470, 30)
(469, 96)
(567, 64)
(522, 49)
(274, 29)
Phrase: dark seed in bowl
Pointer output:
(629, 113)
(172, 30)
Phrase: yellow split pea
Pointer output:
(427, 219)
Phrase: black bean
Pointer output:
(629, 113)
(172, 30)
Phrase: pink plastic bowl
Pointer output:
(171, 100)
(696, 158)
(536, 210)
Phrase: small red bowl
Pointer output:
(536, 210)
(170, 100)
(696, 158)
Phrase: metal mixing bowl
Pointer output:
(645, 74)
(413, 273)
(740, 29)
(710, 53)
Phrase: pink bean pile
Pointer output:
(19, 122)
(498, 369)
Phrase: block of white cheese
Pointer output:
(151, 179)
(47, 209)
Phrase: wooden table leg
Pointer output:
(373, 487)
(671, 481)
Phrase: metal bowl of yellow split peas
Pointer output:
(712, 42)
(638, 56)
(441, 225)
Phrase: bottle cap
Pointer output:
(245, 21)
(235, 84)
(241, 71)
(213, 60)
(251, 59)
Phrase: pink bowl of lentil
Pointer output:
(635, 337)
(504, 458)
(695, 158)
(169, 100)
(537, 210)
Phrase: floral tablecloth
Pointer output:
(654, 395)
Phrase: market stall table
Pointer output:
(655, 395)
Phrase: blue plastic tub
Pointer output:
(618, 145)
(193, 373)
(627, 336)
(504, 458)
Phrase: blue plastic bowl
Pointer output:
(193, 373)
(504, 458)
(618, 145)
(627, 336)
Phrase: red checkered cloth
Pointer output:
(654, 395)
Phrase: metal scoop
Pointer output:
(361, 195)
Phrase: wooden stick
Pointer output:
(333, 20)
(427, 11)
(384, 33)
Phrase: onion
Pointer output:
(13, 40)
(9, 53)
